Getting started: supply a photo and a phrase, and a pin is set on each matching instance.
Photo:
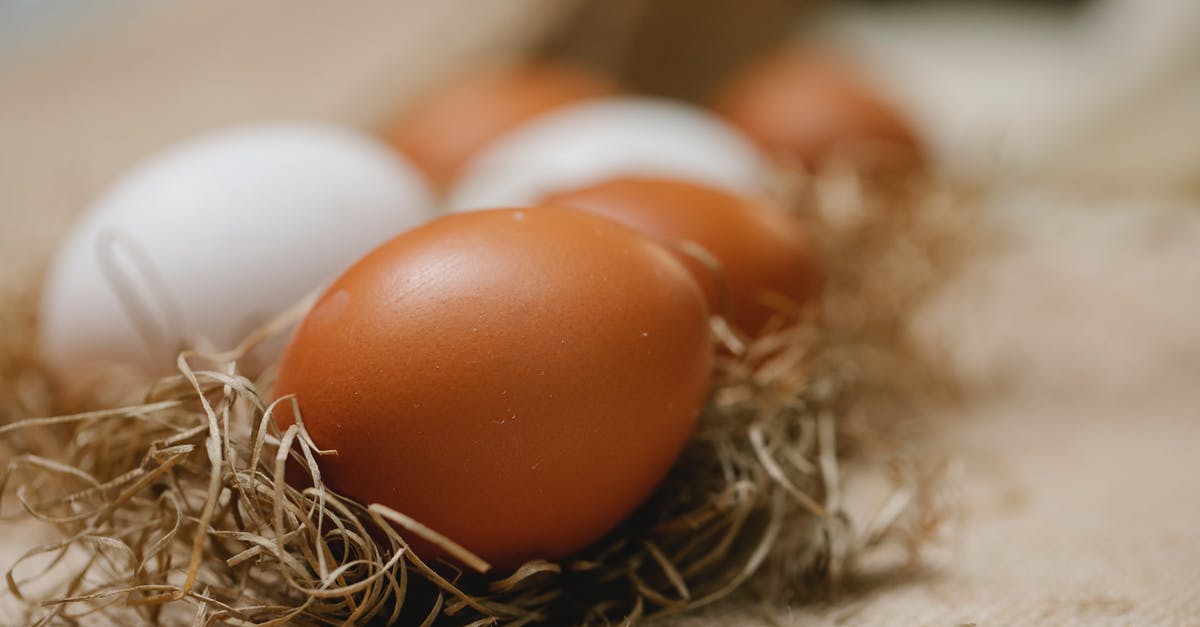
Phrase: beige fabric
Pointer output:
(1079, 459)
(1081, 451)
(1079, 518)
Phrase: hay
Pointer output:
(173, 507)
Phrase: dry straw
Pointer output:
(172, 506)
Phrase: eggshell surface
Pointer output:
(596, 140)
(443, 130)
(204, 242)
(765, 254)
(805, 107)
(517, 380)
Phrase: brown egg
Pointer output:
(804, 108)
(517, 380)
(449, 126)
(765, 253)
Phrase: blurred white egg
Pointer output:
(596, 140)
(201, 244)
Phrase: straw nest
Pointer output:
(171, 506)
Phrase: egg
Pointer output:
(600, 139)
(443, 130)
(765, 254)
(805, 108)
(517, 380)
(202, 243)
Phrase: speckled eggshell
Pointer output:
(518, 380)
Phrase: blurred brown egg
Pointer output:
(764, 252)
(805, 108)
(442, 131)
(517, 380)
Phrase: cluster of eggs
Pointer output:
(519, 373)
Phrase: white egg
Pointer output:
(198, 246)
(592, 141)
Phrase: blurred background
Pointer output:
(1079, 121)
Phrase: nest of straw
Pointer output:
(171, 504)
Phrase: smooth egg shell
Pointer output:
(517, 380)
(805, 107)
(202, 243)
(766, 256)
(443, 130)
(589, 142)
